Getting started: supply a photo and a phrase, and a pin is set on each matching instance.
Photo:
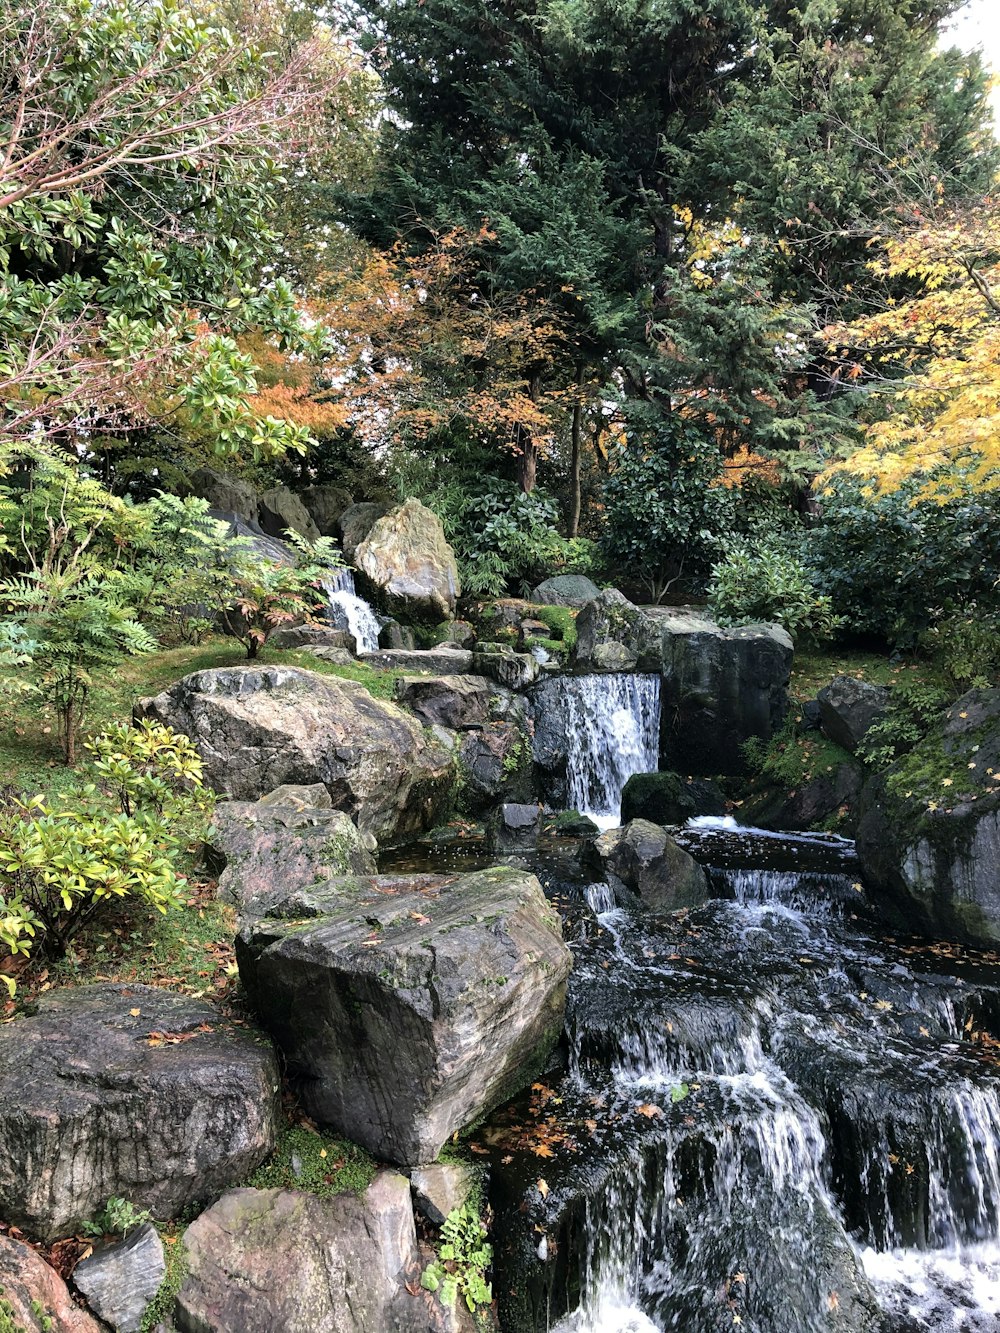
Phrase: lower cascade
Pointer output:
(770, 1117)
(613, 732)
(347, 611)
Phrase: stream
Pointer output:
(767, 1114)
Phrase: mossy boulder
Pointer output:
(643, 860)
(929, 832)
(669, 798)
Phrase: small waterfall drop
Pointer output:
(613, 731)
(347, 611)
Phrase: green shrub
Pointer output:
(463, 1260)
(913, 709)
(966, 646)
(117, 1218)
(758, 581)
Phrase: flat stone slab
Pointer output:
(434, 661)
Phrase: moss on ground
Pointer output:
(161, 1308)
(306, 1159)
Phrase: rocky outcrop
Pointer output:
(257, 728)
(515, 671)
(848, 707)
(614, 635)
(458, 702)
(929, 831)
(513, 830)
(443, 661)
(406, 562)
(827, 800)
(37, 1298)
(354, 525)
(260, 1261)
(325, 504)
(280, 511)
(229, 495)
(313, 636)
(386, 1001)
(668, 798)
(643, 859)
(566, 590)
(290, 839)
(128, 1092)
(120, 1280)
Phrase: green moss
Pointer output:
(561, 620)
(161, 1308)
(305, 1159)
(7, 1321)
(791, 757)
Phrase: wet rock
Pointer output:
(848, 707)
(495, 764)
(513, 830)
(279, 511)
(394, 635)
(571, 824)
(290, 839)
(614, 635)
(120, 1280)
(313, 636)
(266, 1260)
(258, 728)
(643, 858)
(406, 560)
(354, 525)
(442, 1188)
(434, 661)
(515, 671)
(101, 1108)
(929, 828)
(38, 1299)
(325, 504)
(668, 798)
(457, 702)
(827, 800)
(385, 1002)
(566, 590)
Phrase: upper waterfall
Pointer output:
(612, 732)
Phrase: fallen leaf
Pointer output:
(649, 1110)
(542, 1187)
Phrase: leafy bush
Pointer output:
(118, 836)
(668, 518)
(258, 596)
(117, 1218)
(895, 565)
(463, 1260)
(966, 646)
(761, 581)
(913, 709)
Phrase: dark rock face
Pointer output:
(826, 799)
(325, 504)
(513, 830)
(393, 635)
(278, 510)
(288, 840)
(496, 764)
(387, 999)
(227, 494)
(614, 635)
(933, 860)
(39, 1299)
(267, 1260)
(354, 525)
(119, 1281)
(92, 1106)
(848, 707)
(407, 562)
(258, 728)
(643, 858)
(566, 590)
(458, 702)
(668, 798)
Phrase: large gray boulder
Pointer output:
(127, 1092)
(290, 839)
(566, 590)
(929, 831)
(280, 511)
(408, 565)
(257, 728)
(614, 635)
(313, 636)
(230, 495)
(406, 1011)
(669, 798)
(643, 859)
(458, 702)
(260, 1261)
(325, 504)
(848, 707)
(120, 1280)
(36, 1296)
(355, 523)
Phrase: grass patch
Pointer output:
(811, 670)
(792, 758)
(306, 1159)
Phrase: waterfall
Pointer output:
(347, 611)
(612, 732)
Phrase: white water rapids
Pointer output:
(347, 611)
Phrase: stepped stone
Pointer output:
(435, 661)
(119, 1281)
(94, 1105)
(457, 702)
(643, 858)
(385, 1000)
(257, 728)
(288, 840)
(264, 1261)
(38, 1298)
(312, 636)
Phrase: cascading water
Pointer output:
(613, 731)
(347, 611)
(770, 1118)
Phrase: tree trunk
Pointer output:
(527, 464)
(574, 461)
